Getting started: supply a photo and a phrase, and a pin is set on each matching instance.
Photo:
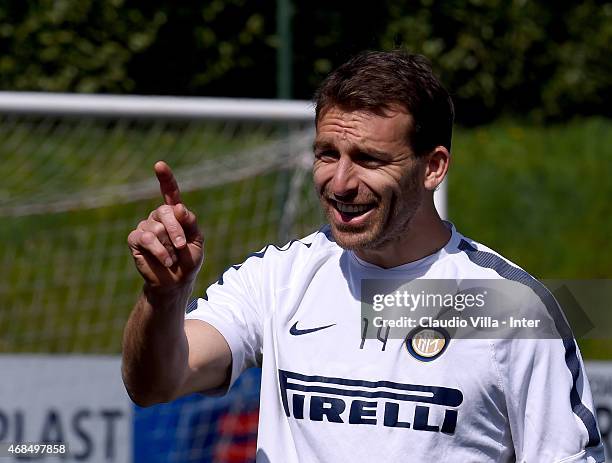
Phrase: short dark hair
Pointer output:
(375, 80)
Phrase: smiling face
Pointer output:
(368, 179)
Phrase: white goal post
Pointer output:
(165, 107)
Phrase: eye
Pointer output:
(327, 155)
(368, 160)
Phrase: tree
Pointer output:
(548, 60)
(72, 45)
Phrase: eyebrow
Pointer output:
(322, 145)
(325, 145)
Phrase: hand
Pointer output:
(167, 247)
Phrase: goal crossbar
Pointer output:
(167, 107)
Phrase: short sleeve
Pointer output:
(232, 305)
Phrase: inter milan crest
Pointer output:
(427, 344)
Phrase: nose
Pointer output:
(344, 182)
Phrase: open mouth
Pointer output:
(348, 211)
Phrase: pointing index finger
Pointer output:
(167, 183)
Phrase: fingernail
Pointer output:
(168, 262)
(180, 240)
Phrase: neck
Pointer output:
(426, 235)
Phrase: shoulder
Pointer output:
(494, 265)
(272, 266)
(522, 294)
(300, 250)
(519, 294)
(277, 260)
(476, 260)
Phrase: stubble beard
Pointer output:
(390, 222)
(352, 237)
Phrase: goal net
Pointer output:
(74, 186)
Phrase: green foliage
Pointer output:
(72, 45)
(518, 57)
(538, 195)
(548, 60)
(221, 47)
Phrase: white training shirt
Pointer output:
(330, 395)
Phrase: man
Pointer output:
(329, 392)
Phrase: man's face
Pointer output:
(367, 177)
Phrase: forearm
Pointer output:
(164, 357)
(155, 348)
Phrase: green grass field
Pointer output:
(541, 196)
(538, 195)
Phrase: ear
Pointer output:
(436, 167)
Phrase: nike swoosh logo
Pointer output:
(297, 332)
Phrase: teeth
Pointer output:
(352, 208)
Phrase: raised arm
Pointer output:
(165, 356)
